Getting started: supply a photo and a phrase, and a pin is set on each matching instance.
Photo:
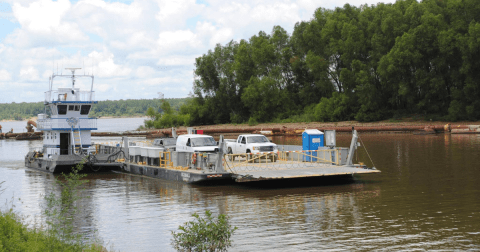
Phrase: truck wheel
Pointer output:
(249, 156)
(273, 158)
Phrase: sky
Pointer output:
(134, 48)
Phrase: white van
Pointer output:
(196, 143)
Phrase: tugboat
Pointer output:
(67, 130)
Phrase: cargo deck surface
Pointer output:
(246, 172)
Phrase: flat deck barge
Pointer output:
(289, 162)
(293, 170)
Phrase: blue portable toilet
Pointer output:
(311, 140)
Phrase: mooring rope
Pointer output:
(365, 147)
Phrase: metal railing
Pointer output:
(282, 160)
(166, 159)
(62, 96)
(330, 156)
(37, 149)
(62, 123)
(105, 149)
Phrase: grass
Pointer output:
(57, 235)
(15, 236)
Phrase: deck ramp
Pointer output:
(256, 170)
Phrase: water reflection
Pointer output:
(135, 212)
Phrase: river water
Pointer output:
(426, 198)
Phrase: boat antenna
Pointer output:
(73, 77)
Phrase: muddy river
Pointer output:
(426, 198)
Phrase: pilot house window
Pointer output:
(62, 109)
(85, 109)
(73, 107)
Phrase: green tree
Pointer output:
(409, 57)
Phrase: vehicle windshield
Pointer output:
(257, 139)
(169, 141)
(203, 141)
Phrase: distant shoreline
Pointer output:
(102, 117)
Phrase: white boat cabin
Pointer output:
(67, 130)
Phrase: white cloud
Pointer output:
(144, 72)
(135, 49)
(29, 74)
(105, 66)
(102, 87)
(44, 22)
(5, 75)
(174, 14)
(177, 60)
(177, 41)
(46, 74)
(221, 36)
(41, 16)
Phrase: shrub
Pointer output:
(252, 121)
(169, 118)
(334, 109)
(62, 208)
(456, 111)
(204, 234)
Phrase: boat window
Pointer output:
(71, 107)
(77, 107)
(85, 109)
(62, 109)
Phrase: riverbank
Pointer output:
(404, 123)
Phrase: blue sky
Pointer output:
(135, 48)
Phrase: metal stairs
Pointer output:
(77, 140)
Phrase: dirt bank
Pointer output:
(313, 125)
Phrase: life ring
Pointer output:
(194, 158)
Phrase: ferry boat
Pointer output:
(198, 158)
(67, 130)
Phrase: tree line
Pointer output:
(366, 63)
(24, 110)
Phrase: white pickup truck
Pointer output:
(196, 143)
(251, 143)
